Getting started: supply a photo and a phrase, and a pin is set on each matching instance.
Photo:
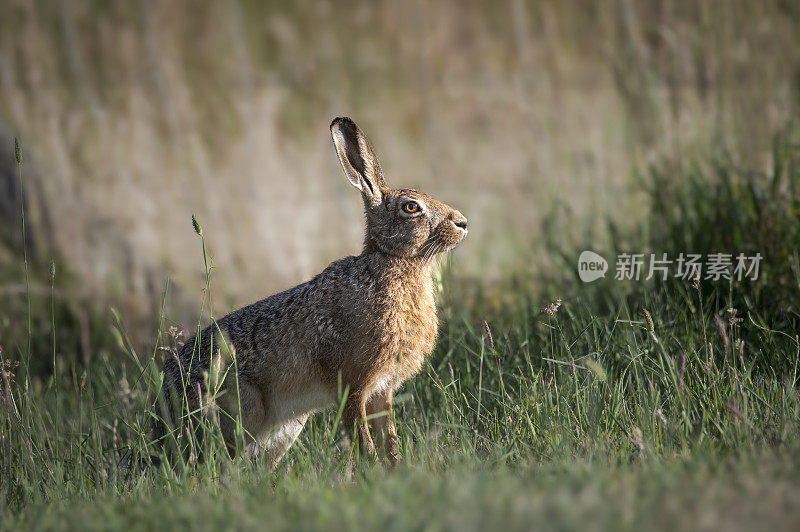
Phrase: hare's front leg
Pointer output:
(355, 415)
(379, 410)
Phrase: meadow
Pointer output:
(618, 404)
(548, 403)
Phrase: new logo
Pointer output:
(591, 266)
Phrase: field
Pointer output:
(666, 403)
(671, 404)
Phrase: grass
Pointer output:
(628, 405)
(549, 497)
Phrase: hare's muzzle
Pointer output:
(460, 222)
(453, 229)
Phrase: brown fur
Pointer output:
(366, 323)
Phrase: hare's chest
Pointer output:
(420, 325)
(414, 330)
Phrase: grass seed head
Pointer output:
(732, 316)
(651, 328)
(196, 225)
(489, 334)
(722, 331)
(739, 347)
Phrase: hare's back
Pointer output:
(304, 316)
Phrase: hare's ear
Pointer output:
(358, 159)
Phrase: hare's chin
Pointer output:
(454, 245)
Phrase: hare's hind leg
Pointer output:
(281, 438)
(252, 413)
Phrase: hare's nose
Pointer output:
(459, 220)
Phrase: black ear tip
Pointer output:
(343, 121)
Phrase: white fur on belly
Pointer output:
(286, 406)
(384, 383)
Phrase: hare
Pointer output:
(364, 325)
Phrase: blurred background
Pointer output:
(134, 115)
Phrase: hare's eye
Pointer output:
(411, 207)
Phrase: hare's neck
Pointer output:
(371, 246)
(409, 276)
(409, 270)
